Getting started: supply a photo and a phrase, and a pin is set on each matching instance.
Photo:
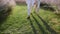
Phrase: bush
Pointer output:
(5, 8)
(54, 3)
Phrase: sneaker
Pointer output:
(28, 17)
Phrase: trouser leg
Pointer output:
(29, 10)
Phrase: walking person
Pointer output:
(31, 4)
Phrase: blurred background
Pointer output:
(13, 20)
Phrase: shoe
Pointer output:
(28, 17)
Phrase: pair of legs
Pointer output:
(31, 4)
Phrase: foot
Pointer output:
(36, 13)
(28, 17)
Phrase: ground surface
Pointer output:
(16, 23)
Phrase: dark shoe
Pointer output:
(28, 17)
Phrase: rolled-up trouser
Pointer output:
(38, 6)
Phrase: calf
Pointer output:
(32, 3)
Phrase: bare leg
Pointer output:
(37, 6)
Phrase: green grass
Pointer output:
(16, 23)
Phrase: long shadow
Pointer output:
(52, 31)
(3, 17)
(41, 28)
(33, 28)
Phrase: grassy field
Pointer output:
(16, 23)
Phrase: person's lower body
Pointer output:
(37, 7)
(30, 6)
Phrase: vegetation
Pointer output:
(5, 8)
(16, 23)
(55, 4)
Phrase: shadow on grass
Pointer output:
(58, 16)
(33, 28)
(52, 31)
(41, 28)
(3, 17)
